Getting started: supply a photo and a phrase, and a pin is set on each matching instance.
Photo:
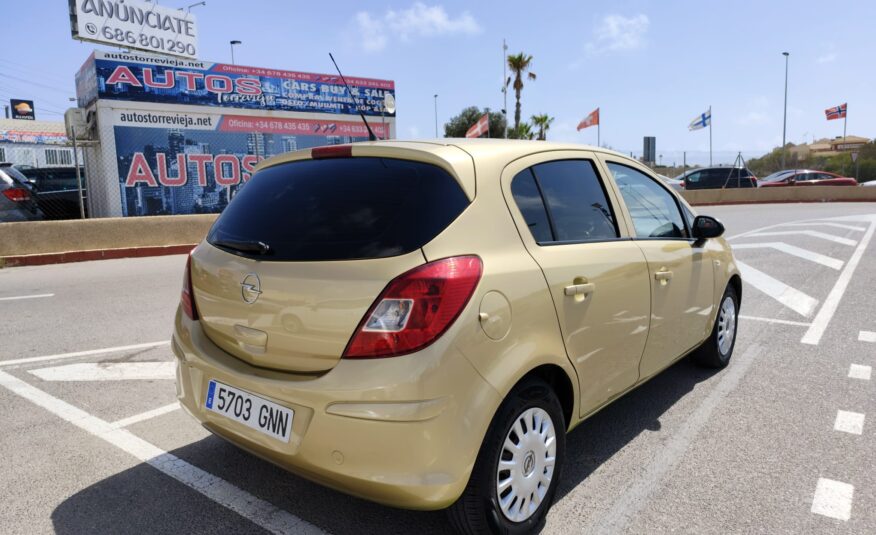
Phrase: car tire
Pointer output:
(718, 348)
(531, 413)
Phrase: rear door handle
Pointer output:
(663, 275)
(579, 289)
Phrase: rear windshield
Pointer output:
(339, 209)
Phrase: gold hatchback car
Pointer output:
(421, 323)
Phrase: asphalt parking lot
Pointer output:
(779, 442)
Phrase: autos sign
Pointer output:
(135, 24)
(141, 78)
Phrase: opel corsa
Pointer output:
(421, 323)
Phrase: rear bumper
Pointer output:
(401, 431)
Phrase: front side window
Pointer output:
(564, 201)
(654, 211)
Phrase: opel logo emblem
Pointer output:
(528, 463)
(250, 288)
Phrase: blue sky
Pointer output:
(650, 66)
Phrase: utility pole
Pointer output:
(785, 120)
(436, 115)
(505, 83)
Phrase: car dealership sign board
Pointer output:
(135, 25)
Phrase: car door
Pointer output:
(680, 270)
(598, 278)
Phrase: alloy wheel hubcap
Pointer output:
(726, 325)
(526, 464)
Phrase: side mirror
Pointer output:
(705, 227)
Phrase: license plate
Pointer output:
(252, 411)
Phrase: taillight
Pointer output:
(17, 194)
(416, 308)
(187, 298)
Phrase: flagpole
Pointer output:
(710, 135)
(599, 133)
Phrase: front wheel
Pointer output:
(718, 348)
(515, 475)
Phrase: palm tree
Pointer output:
(543, 123)
(519, 65)
(521, 131)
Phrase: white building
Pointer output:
(35, 143)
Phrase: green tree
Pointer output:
(543, 123)
(521, 131)
(459, 125)
(519, 65)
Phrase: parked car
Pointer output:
(805, 177)
(16, 199)
(869, 183)
(462, 335)
(56, 190)
(719, 177)
(674, 183)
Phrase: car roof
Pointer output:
(456, 155)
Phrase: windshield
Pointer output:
(14, 173)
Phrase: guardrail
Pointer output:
(787, 194)
(51, 242)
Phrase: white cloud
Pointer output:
(419, 20)
(830, 57)
(617, 33)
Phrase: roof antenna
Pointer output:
(371, 136)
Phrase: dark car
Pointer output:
(719, 177)
(56, 190)
(806, 177)
(16, 198)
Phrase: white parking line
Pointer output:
(62, 356)
(799, 252)
(833, 499)
(256, 510)
(867, 336)
(773, 320)
(792, 298)
(812, 233)
(849, 422)
(108, 371)
(859, 371)
(143, 416)
(828, 309)
(19, 297)
(825, 224)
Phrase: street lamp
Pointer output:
(188, 9)
(436, 115)
(785, 120)
(232, 43)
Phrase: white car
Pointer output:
(871, 183)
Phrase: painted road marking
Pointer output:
(774, 320)
(256, 510)
(108, 371)
(799, 252)
(867, 336)
(849, 422)
(19, 297)
(859, 371)
(792, 298)
(833, 499)
(825, 224)
(62, 356)
(635, 497)
(143, 416)
(812, 233)
(828, 309)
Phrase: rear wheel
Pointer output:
(718, 348)
(515, 475)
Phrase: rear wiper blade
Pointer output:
(253, 247)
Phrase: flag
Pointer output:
(701, 121)
(479, 128)
(837, 112)
(590, 120)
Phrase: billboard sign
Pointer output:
(136, 25)
(183, 163)
(22, 109)
(146, 78)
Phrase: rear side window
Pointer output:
(339, 209)
(564, 201)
